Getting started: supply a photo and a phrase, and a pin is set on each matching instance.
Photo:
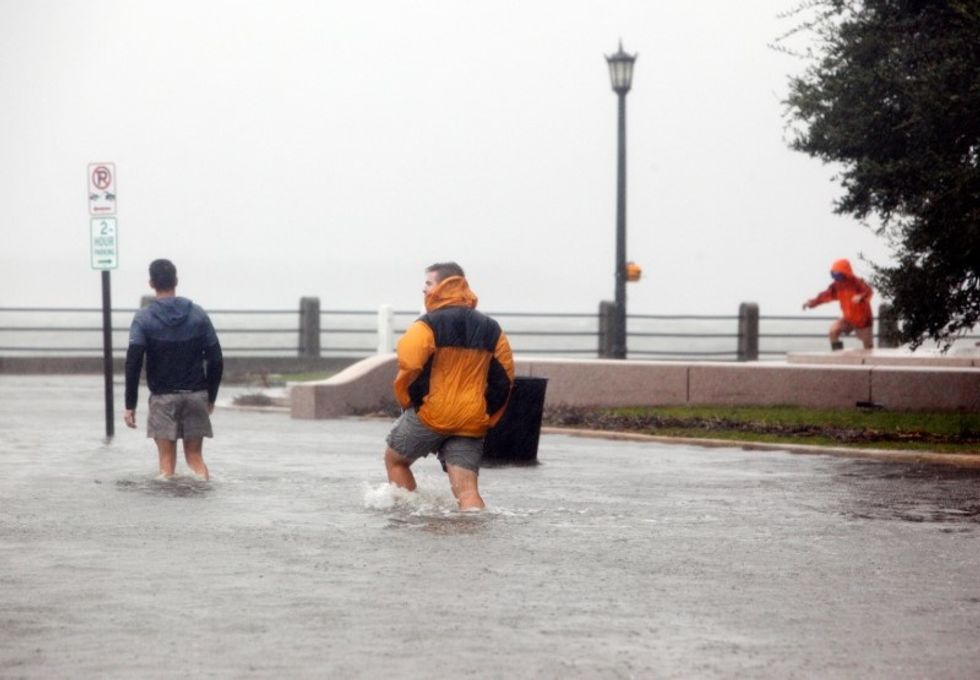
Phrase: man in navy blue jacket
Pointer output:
(183, 371)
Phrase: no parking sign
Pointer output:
(102, 189)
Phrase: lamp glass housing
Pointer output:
(621, 70)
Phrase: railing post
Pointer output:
(748, 331)
(309, 327)
(607, 328)
(386, 329)
(888, 335)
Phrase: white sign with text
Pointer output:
(105, 243)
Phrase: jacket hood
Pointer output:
(453, 291)
(171, 311)
(842, 266)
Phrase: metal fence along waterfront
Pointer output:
(309, 331)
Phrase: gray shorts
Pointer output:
(182, 415)
(412, 440)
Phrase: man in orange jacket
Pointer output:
(455, 374)
(854, 296)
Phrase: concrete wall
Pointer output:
(236, 368)
(603, 382)
(965, 358)
(363, 386)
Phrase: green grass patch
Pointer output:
(935, 423)
(818, 440)
(859, 428)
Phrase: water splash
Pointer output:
(422, 501)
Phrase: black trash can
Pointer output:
(514, 440)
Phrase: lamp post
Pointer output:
(621, 75)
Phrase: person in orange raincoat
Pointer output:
(455, 375)
(854, 295)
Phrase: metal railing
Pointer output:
(313, 332)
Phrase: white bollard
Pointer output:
(386, 329)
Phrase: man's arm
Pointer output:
(214, 363)
(134, 365)
(825, 296)
(501, 378)
(214, 368)
(503, 354)
(864, 291)
(414, 350)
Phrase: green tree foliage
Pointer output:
(892, 94)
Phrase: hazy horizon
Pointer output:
(278, 150)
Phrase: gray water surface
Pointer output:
(608, 560)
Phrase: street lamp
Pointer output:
(621, 76)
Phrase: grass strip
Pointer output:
(860, 428)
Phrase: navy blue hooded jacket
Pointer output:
(182, 350)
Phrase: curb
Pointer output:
(960, 460)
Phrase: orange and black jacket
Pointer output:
(857, 313)
(455, 365)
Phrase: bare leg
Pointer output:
(465, 487)
(194, 455)
(835, 330)
(864, 334)
(167, 449)
(399, 470)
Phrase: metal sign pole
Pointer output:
(107, 352)
(104, 252)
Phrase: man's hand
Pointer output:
(129, 417)
(210, 407)
(808, 304)
(857, 299)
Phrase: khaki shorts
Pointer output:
(182, 415)
(411, 439)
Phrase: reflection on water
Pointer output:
(457, 524)
(178, 486)
(910, 493)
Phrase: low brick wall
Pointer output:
(590, 383)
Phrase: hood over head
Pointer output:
(452, 291)
(842, 266)
(171, 311)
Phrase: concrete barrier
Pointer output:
(903, 388)
(604, 383)
(965, 358)
(727, 384)
(364, 386)
(609, 382)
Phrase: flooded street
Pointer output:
(608, 560)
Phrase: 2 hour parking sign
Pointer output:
(105, 243)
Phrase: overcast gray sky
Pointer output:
(300, 147)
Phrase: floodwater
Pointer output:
(608, 560)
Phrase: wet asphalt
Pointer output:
(607, 560)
